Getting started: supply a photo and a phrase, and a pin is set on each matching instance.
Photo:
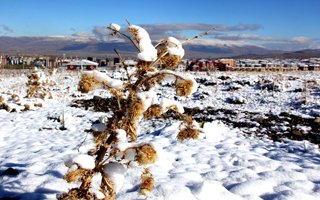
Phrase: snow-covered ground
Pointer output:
(225, 163)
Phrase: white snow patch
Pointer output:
(167, 103)
(84, 161)
(115, 26)
(215, 131)
(115, 172)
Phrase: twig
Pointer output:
(197, 36)
(124, 65)
(158, 74)
(158, 59)
(128, 37)
(161, 42)
(187, 40)
(129, 24)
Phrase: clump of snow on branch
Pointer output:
(84, 161)
(167, 104)
(148, 52)
(175, 47)
(95, 186)
(91, 80)
(148, 98)
(104, 78)
(115, 26)
(115, 172)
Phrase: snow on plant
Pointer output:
(38, 84)
(117, 148)
(12, 102)
(38, 87)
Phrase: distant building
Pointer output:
(3, 60)
(228, 62)
(82, 64)
(93, 59)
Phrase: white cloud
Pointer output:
(302, 39)
(222, 43)
(244, 37)
(220, 36)
(5, 29)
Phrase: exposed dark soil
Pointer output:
(97, 104)
(284, 125)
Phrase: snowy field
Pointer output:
(250, 147)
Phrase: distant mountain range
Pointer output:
(70, 47)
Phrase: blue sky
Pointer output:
(271, 23)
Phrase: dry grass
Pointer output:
(88, 83)
(147, 182)
(74, 175)
(38, 88)
(153, 111)
(76, 194)
(188, 133)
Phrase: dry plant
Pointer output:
(116, 147)
(38, 85)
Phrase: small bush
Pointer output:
(116, 148)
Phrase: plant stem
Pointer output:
(197, 36)
(128, 37)
(124, 66)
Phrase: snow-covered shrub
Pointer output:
(38, 85)
(116, 147)
(15, 103)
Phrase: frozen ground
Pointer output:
(228, 162)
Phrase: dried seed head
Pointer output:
(136, 109)
(170, 61)
(147, 182)
(146, 154)
(135, 33)
(76, 193)
(74, 175)
(154, 110)
(183, 87)
(143, 64)
(88, 83)
(150, 84)
(188, 121)
(115, 28)
(100, 136)
(188, 133)
(2, 99)
(173, 108)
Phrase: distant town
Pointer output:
(223, 64)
